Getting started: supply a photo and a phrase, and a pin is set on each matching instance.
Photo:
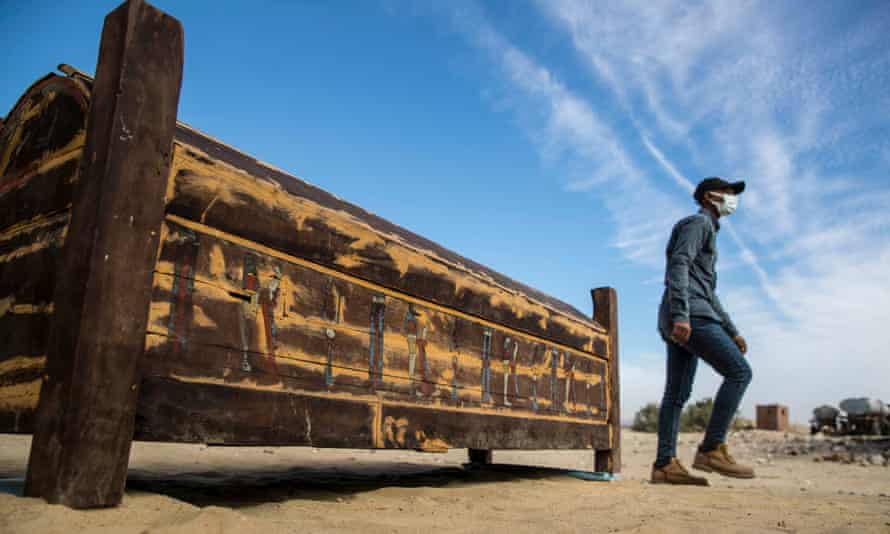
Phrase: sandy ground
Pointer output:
(195, 488)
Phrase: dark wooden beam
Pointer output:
(605, 312)
(85, 415)
(183, 411)
(480, 456)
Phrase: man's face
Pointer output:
(715, 196)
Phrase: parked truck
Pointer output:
(827, 419)
(866, 416)
(857, 415)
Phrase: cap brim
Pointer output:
(737, 187)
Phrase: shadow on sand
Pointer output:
(235, 490)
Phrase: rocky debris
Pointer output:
(763, 446)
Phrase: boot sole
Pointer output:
(709, 469)
(701, 484)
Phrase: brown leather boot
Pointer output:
(720, 461)
(675, 473)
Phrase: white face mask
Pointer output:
(726, 204)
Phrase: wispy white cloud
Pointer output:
(681, 180)
(740, 90)
(565, 123)
(747, 256)
(734, 89)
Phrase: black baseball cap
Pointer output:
(714, 183)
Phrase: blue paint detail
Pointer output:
(380, 333)
(486, 365)
(375, 355)
(328, 370)
(554, 379)
(594, 476)
(454, 369)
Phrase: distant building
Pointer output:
(772, 417)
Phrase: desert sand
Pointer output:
(196, 488)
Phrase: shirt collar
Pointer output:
(711, 217)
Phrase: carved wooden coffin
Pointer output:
(282, 314)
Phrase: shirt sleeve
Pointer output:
(689, 239)
(728, 325)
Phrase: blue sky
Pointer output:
(557, 141)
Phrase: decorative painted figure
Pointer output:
(268, 301)
(416, 334)
(330, 334)
(535, 378)
(570, 384)
(554, 380)
(486, 365)
(454, 346)
(508, 361)
(375, 347)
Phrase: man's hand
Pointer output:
(741, 343)
(680, 333)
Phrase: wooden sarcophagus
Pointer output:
(157, 284)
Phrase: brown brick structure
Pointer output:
(772, 417)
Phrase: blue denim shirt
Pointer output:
(690, 276)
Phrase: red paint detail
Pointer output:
(268, 300)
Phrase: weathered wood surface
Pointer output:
(267, 306)
(44, 129)
(84, 422)
(218, 186)
(210, 318)
(40, 145)
(173, 410)
(605, 311)
(228, 312)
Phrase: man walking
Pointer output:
(694, 325)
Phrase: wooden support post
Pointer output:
(85, 415)
(480, 456)
(605, 312)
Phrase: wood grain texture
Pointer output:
(421, 428)
(605, 310)
(40, 145)
(171, 410)
(45, 125)
(357, 241)
(296, 219)
(87, 402)
(227, 311)
(190, 411)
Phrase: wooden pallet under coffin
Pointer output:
(157, 284)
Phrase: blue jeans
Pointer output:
(710, 342)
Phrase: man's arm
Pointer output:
(690, 237)
(728, 325)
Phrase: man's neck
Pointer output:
(712, 211)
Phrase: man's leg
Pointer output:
(681, 365)
(712, 344)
